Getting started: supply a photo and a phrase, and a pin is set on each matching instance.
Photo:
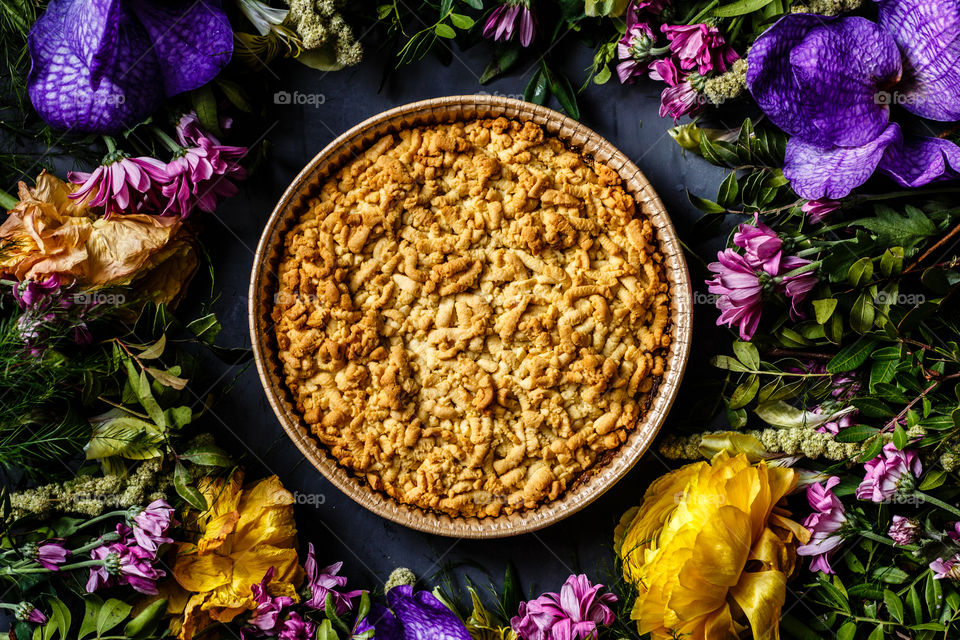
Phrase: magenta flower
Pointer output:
(125, 563)
(326, 581)
(886, 472)
(572, 614)
(36, 293)
(649, 6)
(267, 614)
(121, 185)
(634, 50)
(955, 534)
(817, 210)
(296, 628)
(903, 531)
(52, 554)
(824, 524)
(664, 70)
(29, 613)
(699, 47)
(737, 283)
(946, 568)
(150, 525)
(798, 285)
(761, 244)
(200, 178)
(502, 22)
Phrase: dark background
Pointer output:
(372, 547)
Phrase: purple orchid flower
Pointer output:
(100, 66)
(829, 83)
(413, 616)
(502, 22)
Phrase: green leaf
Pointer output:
(899, 437)
(504, 58)
(862, 313)
(727, 194)
(207, 455)
(847, 631)
(166, 378)
(125, 436)
(60, 616)
(563, 90)
(836, 597)
(856, 433)
(933, 595)
(823, 309)
(891, 262)
(205, 105)
(890, 575)
(461, 21)
(183, 483)
(893, 230)
(876, 634)
(155, 350)
(882, 371)
(444, 30)
(179, 417)
(740, 8)
(747, 353)
(860, 272)
(537, 90)
(112, 613)
(913, 605)
(325, 631)
(728, 363)
(851, 356)
(745, 393)
(894, 605)
(330, 610)
(146, 622)
(510, 598)
(148, 402)
(784, 415)
(92, 605)
(206, 328)
(872, 450)
(707, 206)
(933, 479)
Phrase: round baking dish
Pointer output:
(264, 286)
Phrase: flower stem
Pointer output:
(67, 567)
(111, 144)
(101, 518)
(937, 502)
(109, 537)
(166, 140)
(707, 9)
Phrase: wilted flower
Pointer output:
(889, 472)
(100, 67)
(151, 523)
(740, 291)
(37, 294)
(710, 550)
(572, 614)
(326, 581)
(699, 47)
(797, 281)
(830, 82)
(124, 563)
(817, 210)
(634, 50)
(244, 532)
(903, 531)
(121, 185)
(263, 17)
(682, 98)
(824, 525)
(503, 21)
(51, 555)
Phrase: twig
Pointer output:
(926, 254)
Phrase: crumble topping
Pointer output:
(471, 314)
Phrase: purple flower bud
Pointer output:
(903, 531)
(52, 554)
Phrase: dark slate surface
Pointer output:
(369, 546)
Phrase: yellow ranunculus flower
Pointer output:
(244, 532)
(710, 550)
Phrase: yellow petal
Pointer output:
(761, 597)
(199, 573)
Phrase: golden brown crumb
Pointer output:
(471, 314)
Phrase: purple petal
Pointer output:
(93, 29)
(61, 86)
(192, 40)
(424, 617)
(838, 68)
(832, 172)
(770, 78)
(928, 34)
(918, 161)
